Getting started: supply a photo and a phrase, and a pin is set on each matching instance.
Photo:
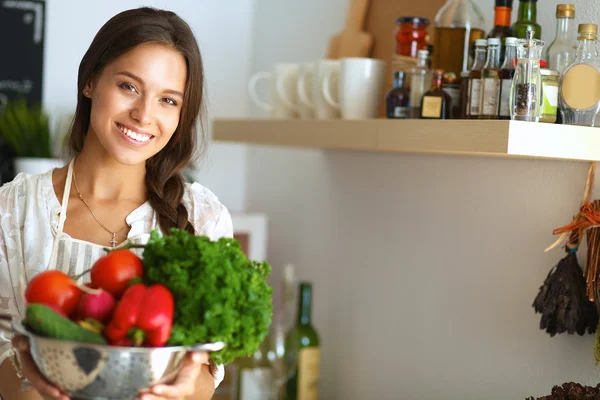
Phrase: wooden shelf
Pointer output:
(461, 137)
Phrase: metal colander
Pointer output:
(101, 372)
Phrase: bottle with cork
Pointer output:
(579, 91)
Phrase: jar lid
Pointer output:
(504, 3)
(511, 41)
(565, 11)
(493, 42)
(590, 29)
(481, 42)
(412, 20)
(549, 72)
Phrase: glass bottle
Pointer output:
(526, 20)
(526, 86)
(464, 94)
(561, 52)
(254, 375)
(420, 82)
(473, 109)
(502, 19)
(490, 81)
(579, 91)
(436, 103)
(451, 85)
(506, 76)
(397, 99)
(304, 351)
(458, 23)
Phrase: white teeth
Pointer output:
(135, 136)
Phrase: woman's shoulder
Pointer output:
(24, 186)
(208, 215)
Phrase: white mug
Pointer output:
(323, 68)
(306, 107)
(360, 88)
(283, 82)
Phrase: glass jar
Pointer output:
(526, 88)
(549, 107)
(411, 36)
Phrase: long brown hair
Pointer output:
(120, 34)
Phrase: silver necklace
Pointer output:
(113, 241)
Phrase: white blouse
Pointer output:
(29, 224)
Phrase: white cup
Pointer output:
(324, 110)
(283, 82)
(306, 107)
(360, 88)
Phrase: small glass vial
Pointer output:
(397, 99)
(490, 81)
(526, 86)
(436, 103)
(420, 82)
(579, 91)
(474, 109)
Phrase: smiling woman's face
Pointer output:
(136, 102)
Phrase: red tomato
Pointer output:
(54, 289)
(114, 271)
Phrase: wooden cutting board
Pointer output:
(352, 41)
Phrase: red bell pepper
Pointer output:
(144, 316)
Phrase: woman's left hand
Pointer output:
(185, 383)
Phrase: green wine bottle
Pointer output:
(527, 20)
(304, 353)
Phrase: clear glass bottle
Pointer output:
(490, 81)
(579, 91)
(420, 82)
(436, 103)
(397, 100)
(561, 52)
(506, 76)
(458, 23)
(526, 86)
(527, 20)
(473, 109)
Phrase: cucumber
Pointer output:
(44, 321)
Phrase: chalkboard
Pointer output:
(22, 26)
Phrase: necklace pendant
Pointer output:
(113, 241)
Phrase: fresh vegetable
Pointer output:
(114, 271)
(44, 321)
(143, 316)
(91, 325)
(54, 289)
(219, 294)
(98, 306)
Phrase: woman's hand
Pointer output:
(185, 383)
(30, 371)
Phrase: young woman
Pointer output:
(139, 99)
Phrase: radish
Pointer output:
(98, 306)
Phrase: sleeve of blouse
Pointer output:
(7, 300)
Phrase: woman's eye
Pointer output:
(128, 86)
(170, 101)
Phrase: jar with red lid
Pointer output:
(411, 35)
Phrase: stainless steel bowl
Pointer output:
(101, 372)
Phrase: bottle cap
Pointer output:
(438, 72)
(422, 54)
(493, 42)
(413, 20)
(511, 41)
(504, 3)
(589, 29)
(481, 42)
(565, 11)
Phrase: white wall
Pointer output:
(425, 267)
(224, 32)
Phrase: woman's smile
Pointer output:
(133, 135)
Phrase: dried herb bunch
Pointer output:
(572, 391)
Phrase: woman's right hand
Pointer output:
(30, 371)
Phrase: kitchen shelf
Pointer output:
(460, 137)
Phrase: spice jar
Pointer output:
(411, 36)
(549, 107)
(526, 88)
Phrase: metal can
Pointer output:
(549, 106)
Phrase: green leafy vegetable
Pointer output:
(26, 129)
(219, 294)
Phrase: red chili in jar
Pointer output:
(411, 35)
